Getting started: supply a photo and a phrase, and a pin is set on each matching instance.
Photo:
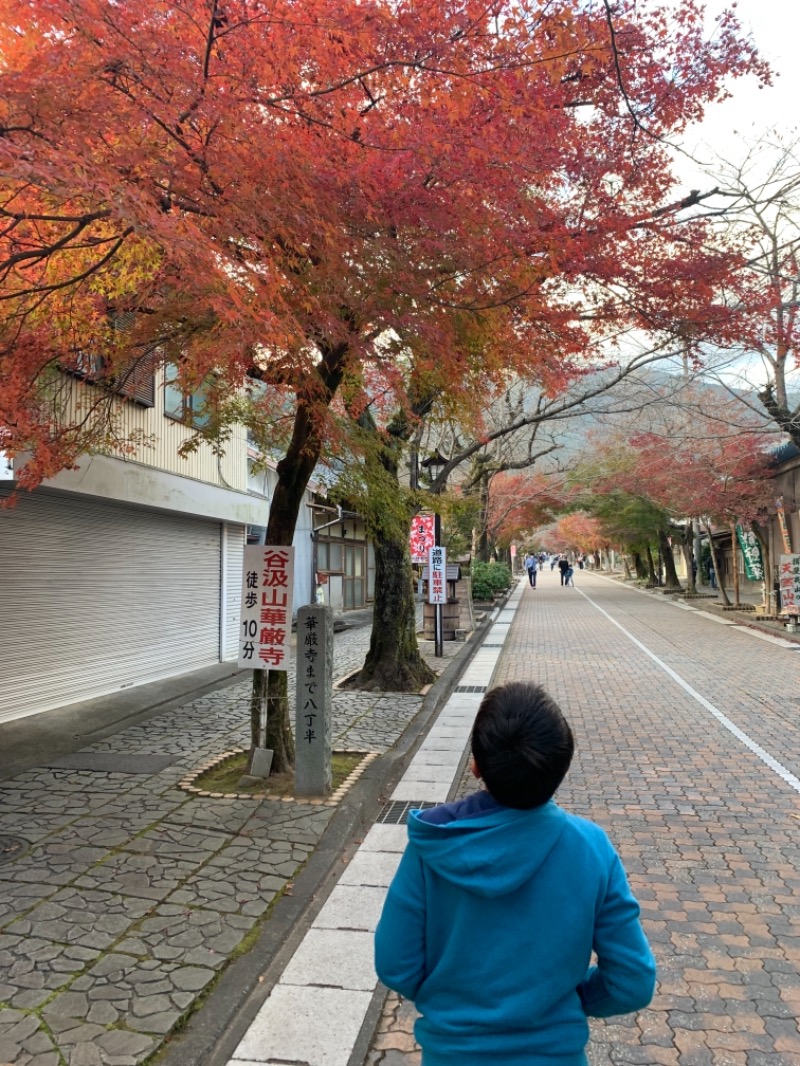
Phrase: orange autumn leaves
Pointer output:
(453, 191)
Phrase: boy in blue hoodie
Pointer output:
(500, 900)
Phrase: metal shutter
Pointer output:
(96, 596)
(233, 538)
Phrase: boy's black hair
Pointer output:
(522, 744)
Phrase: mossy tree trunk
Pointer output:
(393, 662)
(638, 563)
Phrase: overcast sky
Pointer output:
(775, 28)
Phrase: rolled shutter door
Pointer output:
(234, 558)
(96, 597)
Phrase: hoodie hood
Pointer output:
(482, 854)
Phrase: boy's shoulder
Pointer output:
(592, 835)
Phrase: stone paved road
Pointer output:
(128, 896)
(708, 830)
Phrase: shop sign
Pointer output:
(789, 578)
(751, 550)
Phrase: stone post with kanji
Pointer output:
(313, 719)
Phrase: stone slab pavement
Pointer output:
(123, 897)
(322, 1006)
(688, 754)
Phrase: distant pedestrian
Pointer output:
(553, 561)
(570, 576)
(502, 898)
(531, 565)
(563, 566)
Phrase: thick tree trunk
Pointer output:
(688, 555)
(735, 560)
(670, 573)
(294, 471)
(777, 408)
(638, 563)
(715, 564)
(482, 551)
(652, 577)
(393, 663)
(763, 540)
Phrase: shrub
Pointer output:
(489, 578)
(481, 589)
(500, 576)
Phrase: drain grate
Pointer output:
(470, 688)
(11, 848)
(396, 812)
(491, 645)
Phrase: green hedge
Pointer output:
(489, 578)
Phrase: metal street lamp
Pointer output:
(433, 464)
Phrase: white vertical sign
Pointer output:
(266, 624)
(437, 575)
(790, 584)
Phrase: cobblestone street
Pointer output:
(688, 754)
(122, 896)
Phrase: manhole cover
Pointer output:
(11, 848)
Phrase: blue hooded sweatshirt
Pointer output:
(489, 927)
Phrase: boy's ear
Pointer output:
(474, 768)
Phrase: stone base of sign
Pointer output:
(188, 783)
(260, 762)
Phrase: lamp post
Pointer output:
(433, 464)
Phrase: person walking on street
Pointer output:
(500, 900)
(531, 565)
(570, 576)
(563, 566)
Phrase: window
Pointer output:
(187, 407)
(329, 557)
(137, 382)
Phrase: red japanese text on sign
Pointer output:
(789, 578)
(437, 572)
(266, 621)
(421, 538)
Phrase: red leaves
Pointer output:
(274, 181)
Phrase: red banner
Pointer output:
(421, 538)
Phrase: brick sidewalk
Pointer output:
(123, 897)
(708, 831)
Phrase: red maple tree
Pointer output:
(305, 193)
